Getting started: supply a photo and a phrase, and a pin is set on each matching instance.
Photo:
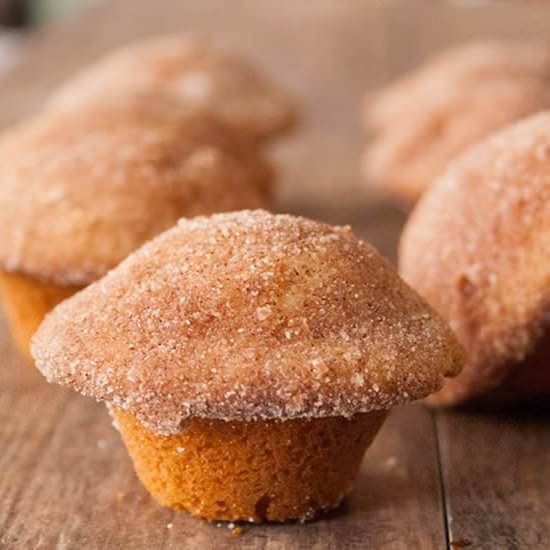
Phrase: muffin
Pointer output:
(80, 191)
(476, 247)
(428, 117)
(248, 360)
(183, 72)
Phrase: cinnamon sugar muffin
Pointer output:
(476, 247)
(428, 117)
(249, 360)
(183, 72)
(80, 191)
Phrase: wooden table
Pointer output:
(432, 480)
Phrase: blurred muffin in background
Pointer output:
(426, 118)
(79, 191)
(477, 247)
(184, 73)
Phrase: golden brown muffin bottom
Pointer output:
(264, 470)
(26, 302)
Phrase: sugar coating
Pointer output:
(477, 248)
(80, 191)
(248, 315)
(429, 116)
(184, 72)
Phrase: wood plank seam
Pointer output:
(441, 479)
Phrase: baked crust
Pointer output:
(80, 191)
(183, 72)
(426, 118)
(476, 247)
(248, 315)
(255, 471)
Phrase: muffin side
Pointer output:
(274, 342)
(476, 248)
(80, 191)
(265, 470)
(426, 118)
(26, 301)
(183, 72)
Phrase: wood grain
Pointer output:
(496, 471)
(65, 479)
(67, 483)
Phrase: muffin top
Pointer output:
(248, 315)
(426, 118)
(80, 191)
(476, 247)
(184, 72)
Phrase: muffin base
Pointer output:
(26, 301)
(265, 470)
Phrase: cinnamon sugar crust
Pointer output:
(428, 117)
(248, 315)
(184, 72)
(476, 247)
(80, 191)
